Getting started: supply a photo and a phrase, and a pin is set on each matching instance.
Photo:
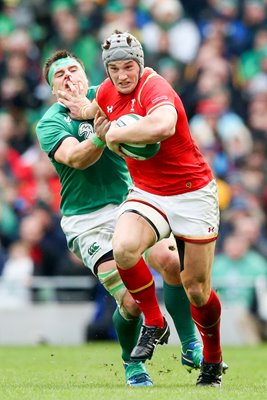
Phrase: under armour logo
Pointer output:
(93, 248)
(206, 334)
(109, 109)
(211, 229)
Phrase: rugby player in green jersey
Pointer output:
(94, 182)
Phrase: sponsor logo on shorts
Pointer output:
(211, 229)
(93, 248)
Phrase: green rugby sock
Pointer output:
(178, 306)
(128, 332)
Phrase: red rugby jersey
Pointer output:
(178, 167)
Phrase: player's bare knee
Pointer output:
(125, 259)
(125, 254)
(169, 262)
(169, 266)
(196, 294)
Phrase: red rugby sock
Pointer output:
(140, 283)
(207, 320)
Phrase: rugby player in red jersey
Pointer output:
(176, 185)
(175, 188)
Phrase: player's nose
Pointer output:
(122, 75)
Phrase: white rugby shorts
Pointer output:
(191, 216)
(89, 236)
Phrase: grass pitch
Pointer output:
(94, 372)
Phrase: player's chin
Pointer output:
(125, 89)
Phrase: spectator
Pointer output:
(68, 35)
(16, 277)
(235, 272)
(168, 27)
(235, 263)
(43, 239)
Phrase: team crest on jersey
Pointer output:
(132, 105)
(85, 129)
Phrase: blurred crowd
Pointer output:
(213, 52)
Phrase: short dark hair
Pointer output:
(57, 56)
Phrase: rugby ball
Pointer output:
(137, 151)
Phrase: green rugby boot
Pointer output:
(136, 375)
(192, 357)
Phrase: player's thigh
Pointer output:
(198, 261)
(132, 234)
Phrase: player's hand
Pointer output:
(111, 139)
(101, 125)
(78, 105)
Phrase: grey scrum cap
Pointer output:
(122, 46)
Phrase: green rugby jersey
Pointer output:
(105, 182)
